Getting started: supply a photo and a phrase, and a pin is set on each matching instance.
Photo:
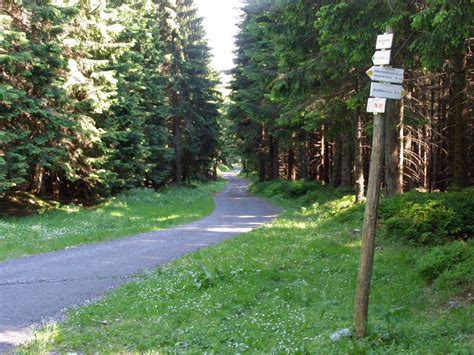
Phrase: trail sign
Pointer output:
(382, 91)
(390, 75)
(388, 91)
(384, 41)
(376, 105)
(381, 57)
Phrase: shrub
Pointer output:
(271, 188)
(428, 223)
(429, 218)
(285, 188)
(445, 260)
(302, 187)
(459, 276)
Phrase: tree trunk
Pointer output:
(335, 176)
(261, 156)
(359, 160)
(324, 171)
(346, 165)
(445, 141)
(178, 150)
(273, 163)
(36, 184)
(408, 163)
(270, 158)
(426, 158)
(392, 183)
(275, 160)
(214, 171)
(369, 229)
(327, 160)
(459, 111)
(261, 167)
(291, 164)
(303, 159)
(401, 145)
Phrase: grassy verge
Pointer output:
(282, 288)
(135, 211)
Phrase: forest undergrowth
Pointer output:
(287, 287)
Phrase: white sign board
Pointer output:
(381, 57)
(390, 75)
(388, 91)
(384, 41)
(376, 105)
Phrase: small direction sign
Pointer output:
(388, 91)
(390, 75)
(376, 105)
(384, 41)
(381, 57)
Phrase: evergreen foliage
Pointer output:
(97, 97)
(299, 91)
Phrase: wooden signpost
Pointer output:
(382, 91)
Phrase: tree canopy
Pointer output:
(299, 91)
(97, 97)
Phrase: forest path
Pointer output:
(38, 289)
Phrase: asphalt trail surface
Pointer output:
(37, 289)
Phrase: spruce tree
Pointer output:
(39, 127)
(201, 111)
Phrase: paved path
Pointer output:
(38, 288)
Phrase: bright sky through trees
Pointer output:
(220, 21)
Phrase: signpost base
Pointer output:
(369, 228)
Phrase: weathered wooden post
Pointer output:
(381, 90)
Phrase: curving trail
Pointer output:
(37, 289)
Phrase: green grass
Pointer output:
(282, 288)
(135, 211)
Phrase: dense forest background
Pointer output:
(299, 92)
(100, 96)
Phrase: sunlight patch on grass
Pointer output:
(168, 218)
(353, 245)
(116, 214)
